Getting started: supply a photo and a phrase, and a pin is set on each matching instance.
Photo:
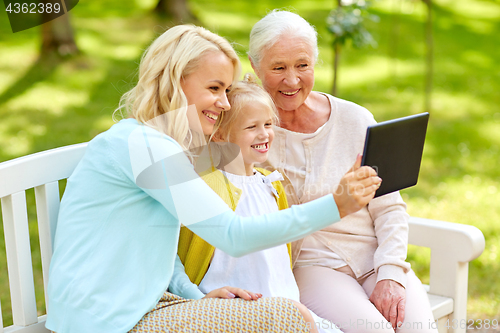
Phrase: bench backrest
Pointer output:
(41, 171)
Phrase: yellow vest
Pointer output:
(193, 251)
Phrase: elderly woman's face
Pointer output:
(287, 72)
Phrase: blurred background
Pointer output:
(60, 83)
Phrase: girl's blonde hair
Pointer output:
(242, 94)
(171, 57)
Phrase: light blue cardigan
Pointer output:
(116, 239)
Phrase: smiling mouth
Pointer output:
(290, 93)
(261, 147)
(210, 115)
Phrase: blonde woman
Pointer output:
(120, 216)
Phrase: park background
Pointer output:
(52, 101)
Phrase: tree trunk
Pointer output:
(336, 49)
(429, 56)
(58, 37)
(178, 10)
(394, 38)
(336, 59)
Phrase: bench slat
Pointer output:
(47, 207)
(17, 245)
(37, 169)
(440, 306)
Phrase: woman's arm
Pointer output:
(161, 169)
(238, 236)
(391, 228)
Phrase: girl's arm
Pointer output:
(181, 285)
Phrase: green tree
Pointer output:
(429, 42)
(347, 23)
(178, 10)
(57, 33)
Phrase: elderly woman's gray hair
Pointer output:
(270, 28)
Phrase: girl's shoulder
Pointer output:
(212, 175)
(281, 198)
(264, 171)
(217, 180)
(219, 183)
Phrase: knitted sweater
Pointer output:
(193, 251)
(375, 237)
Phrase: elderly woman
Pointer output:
(353, 272)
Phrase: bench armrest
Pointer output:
(466, 241)
(452, 246)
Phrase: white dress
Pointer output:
(267, 272)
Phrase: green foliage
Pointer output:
(347, 23)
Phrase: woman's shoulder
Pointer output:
(128, 135)
(345, 111)
(132, 147)
(130, 129)
(116, 134)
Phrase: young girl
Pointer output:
(249, 191)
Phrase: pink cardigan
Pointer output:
(375, 237)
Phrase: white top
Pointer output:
(268, 271)
(313, 251)
(375, 237)
(296, 169)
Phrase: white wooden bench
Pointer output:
(452, 245)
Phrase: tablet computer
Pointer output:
(394, 149)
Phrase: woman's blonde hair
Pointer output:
(242, 94)
(171, 57)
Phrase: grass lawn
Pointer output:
(46, 104)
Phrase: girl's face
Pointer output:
(206, 88)
(253, 133)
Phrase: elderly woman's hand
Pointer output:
(356, 188)
(232, 292)
(389, 297)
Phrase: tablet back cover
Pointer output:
(394, 149)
